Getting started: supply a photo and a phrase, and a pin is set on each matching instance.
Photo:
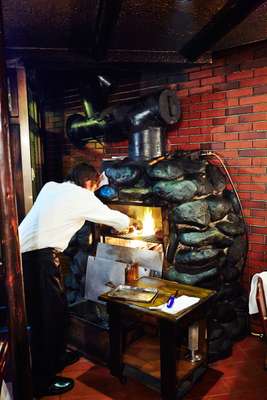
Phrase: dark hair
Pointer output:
(81, 173)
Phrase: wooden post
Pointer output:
(19, 347)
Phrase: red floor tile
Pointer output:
(239, 377)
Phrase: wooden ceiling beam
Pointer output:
(107, 17)
(230, 15)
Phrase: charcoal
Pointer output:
(232, 226)
(210, 237)
(175, 191)
(123, 175)
(192, 213)
(196, 256)
(216, 177)
(218, 207)
(107, 192)
(166, 170)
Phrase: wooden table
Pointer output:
(163, 358)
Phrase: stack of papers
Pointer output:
(180, 304)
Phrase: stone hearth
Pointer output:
(207, 245)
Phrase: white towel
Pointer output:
(180, 304)
(252, 305)
(4, 392)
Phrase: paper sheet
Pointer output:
(180, 304)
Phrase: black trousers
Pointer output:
(46, 312)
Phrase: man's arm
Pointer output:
(100, 213)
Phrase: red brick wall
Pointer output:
(225, 110)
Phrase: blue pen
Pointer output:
(171, 299)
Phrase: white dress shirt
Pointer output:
(59, 211)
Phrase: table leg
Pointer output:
(115, 339)
(168, 359)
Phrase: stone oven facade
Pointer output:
(207, 243)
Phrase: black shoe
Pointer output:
(59, 386)
(70, 357)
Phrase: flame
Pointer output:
(148, 223)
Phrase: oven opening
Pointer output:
(152, 236)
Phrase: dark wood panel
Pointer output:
(17, 169)
(18, 338)
(13, 93)
(3, 359)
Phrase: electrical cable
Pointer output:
(214, 154)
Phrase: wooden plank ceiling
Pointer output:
(159, 31)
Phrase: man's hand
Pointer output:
(136, 224)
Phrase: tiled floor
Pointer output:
(239, 377)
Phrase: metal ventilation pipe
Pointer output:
(147, 144)
(118, 122)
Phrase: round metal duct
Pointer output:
(118, 122)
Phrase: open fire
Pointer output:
(149, 237)
(148, 225)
